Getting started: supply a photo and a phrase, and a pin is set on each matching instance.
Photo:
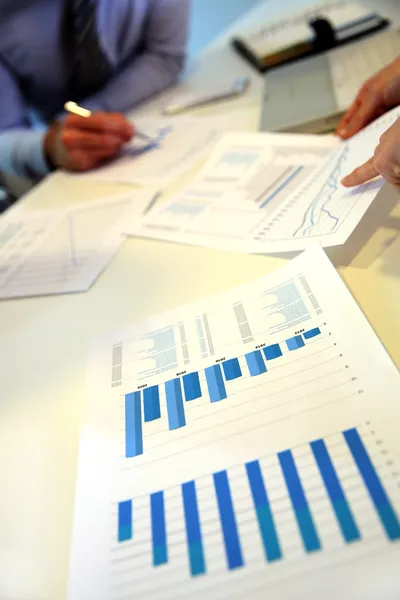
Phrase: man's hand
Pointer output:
(378, 95)
(385, 162)
(82, 143)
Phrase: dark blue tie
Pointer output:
(88, 66)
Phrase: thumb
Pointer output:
(362, 174)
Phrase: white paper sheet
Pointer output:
(183, 142)
(264, 193)
(167, 506)
(60, 251)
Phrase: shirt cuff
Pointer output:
(22, 153)
(37, 165)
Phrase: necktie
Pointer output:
(88, 66)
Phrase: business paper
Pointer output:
(244, 446)
(60, 251)
(181, 144)
(265, 193)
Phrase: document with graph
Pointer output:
(182, 143)
(270, 193)
(61, 251)
(244, 446)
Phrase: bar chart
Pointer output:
(144, 406)
(211, 333)
(286, 181)
(280, 496)
(265, 464)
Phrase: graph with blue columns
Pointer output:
(143, 406)
(343, 515)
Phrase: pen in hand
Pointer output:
(75, 109)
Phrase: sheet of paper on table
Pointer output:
(265, 193)
(61, 251)
(243, 446)
(182, 143)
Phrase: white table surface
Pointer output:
(44, 341)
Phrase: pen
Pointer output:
(75, 109)
(152, 202)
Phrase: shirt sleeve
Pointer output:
(21, 148)
(157, 67)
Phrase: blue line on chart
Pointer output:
(72, 240)
(336, 219)
(282, 186)
(162, 133)
(325, 196)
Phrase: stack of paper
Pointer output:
(270, 193)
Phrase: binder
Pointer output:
(300, 37)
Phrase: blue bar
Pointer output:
(256, 363)
(373, 484)
(334, 488)
(233, 550)
(282, 186)
(312, 333)
(133, 425)
(151, 401)
(299, 502)
(125, 521)
(193, 531)
(215, 383)
(158, 529)
(231, 369)
(176, 413)
(191, 385)
(295, 343)
(271, 352)
(263, 510)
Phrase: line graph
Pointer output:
(72, 240)
(320, 216)
(59, 251)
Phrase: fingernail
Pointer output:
(342, 131)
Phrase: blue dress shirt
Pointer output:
(143, 39)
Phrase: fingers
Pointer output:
(361, 113)
(91, 140)
(107, 123)
(82, 143)
(80, 160)
(351, 111)
(362, 174)
(94, 140)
